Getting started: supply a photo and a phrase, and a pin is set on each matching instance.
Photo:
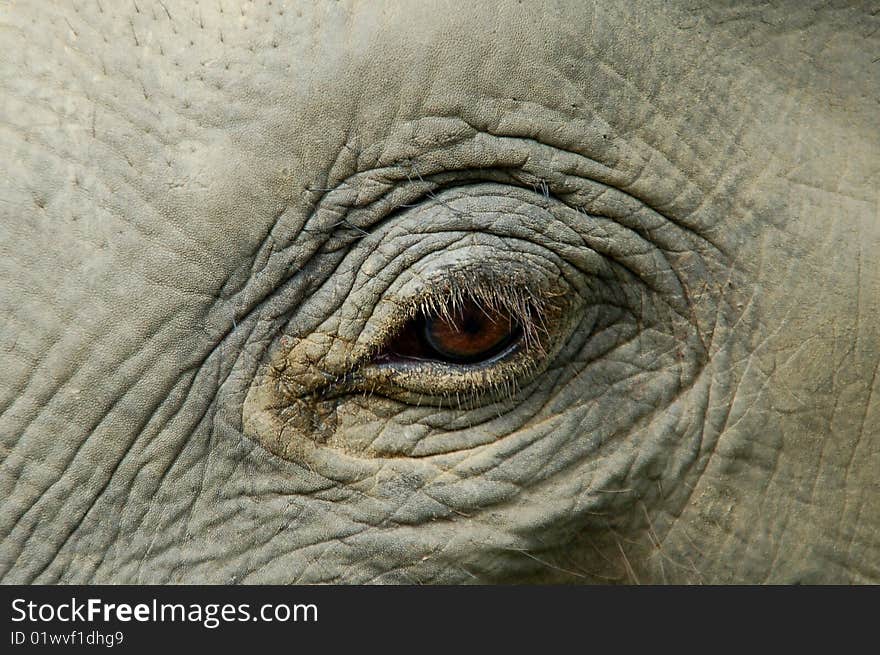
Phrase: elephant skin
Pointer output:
(219, 218)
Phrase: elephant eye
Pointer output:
(463, 338)
(464, 332)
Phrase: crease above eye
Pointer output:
(502, 248)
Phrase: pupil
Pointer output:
(472, 325)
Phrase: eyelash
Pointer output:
(536, 311)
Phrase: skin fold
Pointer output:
(218, 219)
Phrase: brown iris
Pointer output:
(466, 334)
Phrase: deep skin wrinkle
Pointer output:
(216, 224)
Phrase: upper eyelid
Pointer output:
(522, 161)
(352, 206)
(544, 202)
(614, 205)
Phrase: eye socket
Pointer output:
(464, 333)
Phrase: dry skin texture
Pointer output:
(221, 217)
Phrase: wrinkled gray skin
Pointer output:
(210, 211)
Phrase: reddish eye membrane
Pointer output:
(468, 333)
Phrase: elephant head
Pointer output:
(439, 292)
